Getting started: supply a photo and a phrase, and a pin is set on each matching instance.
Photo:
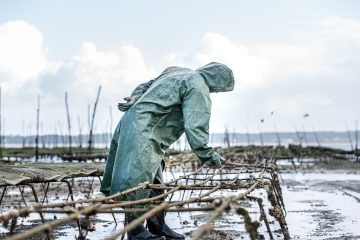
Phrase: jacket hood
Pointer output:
(218, 77)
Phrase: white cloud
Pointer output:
(116, 69)
(261, 65)
(22, 54)
(338, 27)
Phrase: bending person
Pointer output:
(157, 113)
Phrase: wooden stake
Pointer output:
(68, 119)
(37, 129)
(92, 119)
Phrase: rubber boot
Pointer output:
(156, 224)
(140, 232)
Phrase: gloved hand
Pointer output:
(125, 106)
(222, 160)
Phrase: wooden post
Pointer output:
(356, 140)
(356, 135)
(92, 119)
(68, 119)
(37, 129)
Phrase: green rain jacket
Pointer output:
(175, 102)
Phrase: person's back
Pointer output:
(160, 107)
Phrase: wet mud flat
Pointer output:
(324, 204)
(321, 203)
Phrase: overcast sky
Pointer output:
(289, 57)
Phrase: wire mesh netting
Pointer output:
(20, 174)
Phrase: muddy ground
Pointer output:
(321, 204)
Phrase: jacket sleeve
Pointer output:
(196, 108)
(141, 89)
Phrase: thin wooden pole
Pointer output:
(356, 140)
(356, 135)
(23, 133)
(68, 119)
(92, 119)
(37, 129)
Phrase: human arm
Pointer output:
(196, 108)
